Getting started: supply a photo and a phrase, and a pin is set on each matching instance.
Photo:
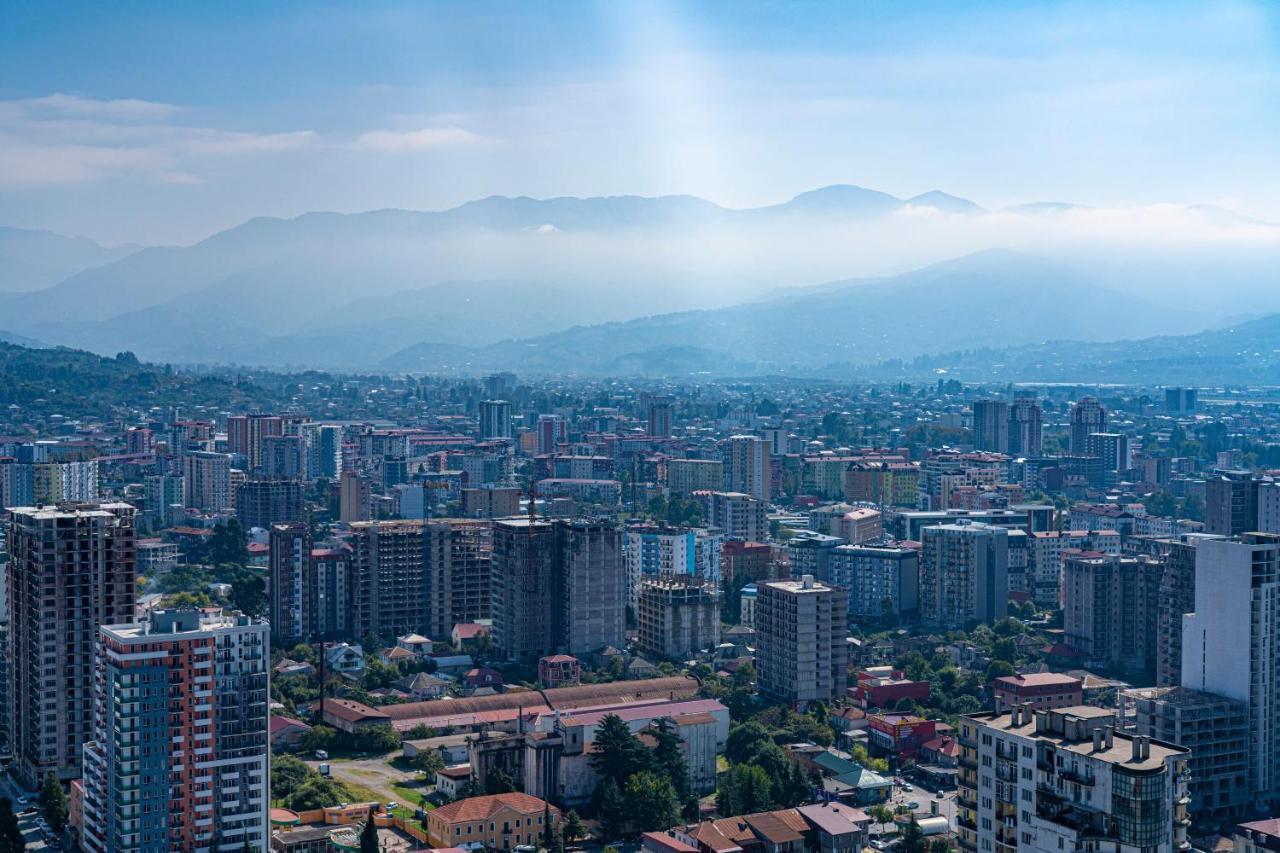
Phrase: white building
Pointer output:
(1064, 780)
(1231, 643)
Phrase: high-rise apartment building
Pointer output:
(652, 550)
(499, 385)
(553, 431)
(1176, 598)
(991, 425)
(1087, 417)
(324, 450)
(71, 569)
(686, 476)
(1026, 427)
(245, 434)
(459, 573)
(1180, 401)
(747, 466)
(1044, 563)
(181, 738)
(284, 457)
(802, 631)
(206, 481)
(354, 497)
(389, 578)
(164, 499)
(558, 586)
(739, 515)
(1215, 729)
(1268, 507)
(659, 416)
(491, 502)
(1064, 779)
(964, 574)
(289, 586)
(1114, 451)
(495, 419)
(262, 503)
(678, 615)
(1231, 503)
(1231, 643)
(882, 581)
(1110, 609)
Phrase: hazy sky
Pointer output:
(166, 122)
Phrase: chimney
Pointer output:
(1136, 744)
(806, 581)
(1015, 715)
(1109, 735)
(1098, 735)
(1146, 746)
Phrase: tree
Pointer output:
(999, 669)
(500, 782)
(381, 739)
(880, 813)
(420, 732)
(428, 761)
(228, 544)
(319, 792)
(11, 840)
(912, 839)
(369, 836)
(668, 757)
(745, 741)
(940, 845)
(319, 737)
(612, 812)
(53, 801)
(288, 774)
(573, 828)
(619, 754)
(744, 789)
(652, 802)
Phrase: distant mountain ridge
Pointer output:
(600, 283)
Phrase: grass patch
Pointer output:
(359, 793)
(413, 795)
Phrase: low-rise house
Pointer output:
(1044, 690)
(286, 733)
(452, 781)
(288, 667)
(453, 749)
(423, 685)
(350, 716)
(559, 671)
(465, 633)
(474, 679)
(495, 821)
(415, 643)
(641, 668)
(344, 658)
(397, 655)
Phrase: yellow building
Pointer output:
(498, 821)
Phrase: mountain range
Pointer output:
(626, 284)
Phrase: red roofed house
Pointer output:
(286, 733)
(559, 671)
(497, 821)
(1044, 690)
(466, 632)
(351, 716)
(885, 687)
(481, 676)
(943, 751)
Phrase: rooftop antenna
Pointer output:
(533, 502)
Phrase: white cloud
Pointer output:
(395, 141)
(67, 139)
(117, 109)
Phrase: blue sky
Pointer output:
(166, 122)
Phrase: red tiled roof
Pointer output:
(480, 808)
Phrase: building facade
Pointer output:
(801, 638)
(70, 570)
(964, 574)
(181, 740)
(678, 615)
